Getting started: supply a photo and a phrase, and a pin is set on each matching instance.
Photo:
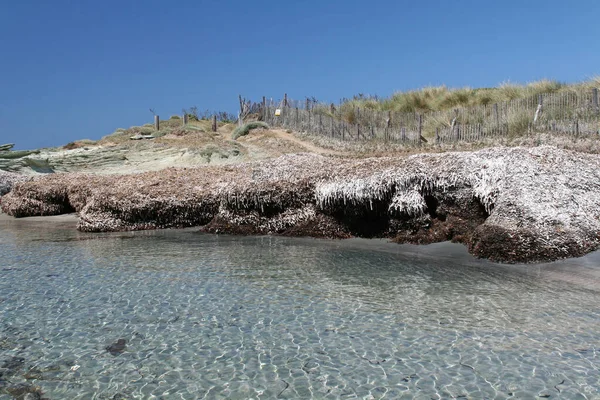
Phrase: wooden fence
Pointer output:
(574, 113)
(333, 123)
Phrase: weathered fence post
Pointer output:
(539, 108)
(241, 113)
(332, 131)
(420, 128)
(185, 119)
(403, 130)
(157, 122)
(497, 116)
(357, 116)
(214, 123)
(297, 120)
(264, 108)
(320, 125)
(437, 135)
(595, 100)
(285, 101)
(388, 126)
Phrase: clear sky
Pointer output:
(80, 69)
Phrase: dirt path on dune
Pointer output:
(307, 145)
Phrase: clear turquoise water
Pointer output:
(261, 317)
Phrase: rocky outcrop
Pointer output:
(8, 180)
(506, 204)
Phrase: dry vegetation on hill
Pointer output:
(441, 98)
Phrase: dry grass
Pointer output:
(172, 126)
(441, 98)
(246, 128)
(507, 110)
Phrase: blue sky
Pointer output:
(80, 69)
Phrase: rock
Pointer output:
(140, 137)
(7, 147)
(11, 366)
(9, 155)
(117, 348)
(25, 392)
(8, 180)
(506, 204)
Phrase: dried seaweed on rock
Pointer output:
(8, 180)
(525, 204)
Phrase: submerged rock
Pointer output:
(506, 204)
(25, 392)
(117, 347)
(11, 367)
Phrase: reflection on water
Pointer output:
(182, 315)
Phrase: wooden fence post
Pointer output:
(157, 122)
(437, 135)
(497, 116)
(420, 128)
(185, 119)
(285, 101)
(297, 120)
(214, 123)
(388, 126)
(264, 108)
(332, 131)
(357, 116)
(241, 113)
(320, 125)
(595, 100)
(539, 108)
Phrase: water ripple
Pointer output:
(200, 316)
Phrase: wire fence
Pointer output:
(572, 113)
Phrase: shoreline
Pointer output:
(581, 271)
(61, 218)
(513, 205)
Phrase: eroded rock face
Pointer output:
(506, 204)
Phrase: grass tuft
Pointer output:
(246, 128)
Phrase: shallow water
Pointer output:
(207, 316)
